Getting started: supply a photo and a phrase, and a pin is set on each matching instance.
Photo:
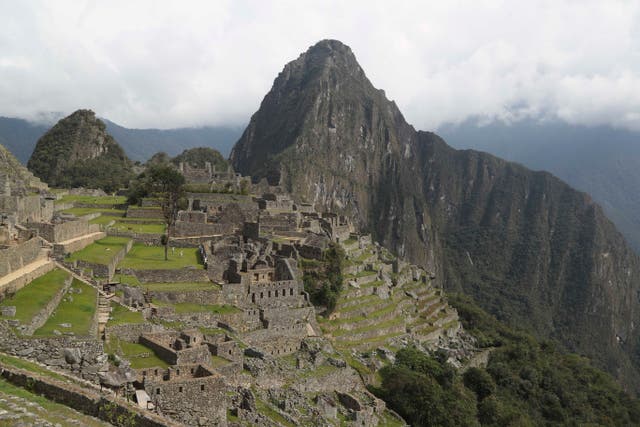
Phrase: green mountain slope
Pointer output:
(528, 247)
(78, 152)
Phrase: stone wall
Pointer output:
(193, 401)
(211, 297)
(273, 294)
(68, 230)
(105, 270)
(84, 400)
(144, 213)
(171, 276)
(17, 256)
(81, 357)
(131, 332)
(198, 354)
(27, 208)
(76, 245)
(145, 238)
(193, 229)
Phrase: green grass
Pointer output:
(158, 228)
(79, 312)
(33, 297)
(143, 257)
(121, 316)
(30, 366)
(87, 211)
(139, 355)
(54, 413)
(101, 251)
(102, 200)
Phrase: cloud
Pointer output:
(165, 64)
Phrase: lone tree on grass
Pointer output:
(166, 183)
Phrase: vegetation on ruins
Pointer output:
(31, 299)
(167, 184)
(323, 281)
(75, 311)
(199, 156)
(526, 382)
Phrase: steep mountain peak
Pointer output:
(78, 151)
(531, 249)
(323, 95)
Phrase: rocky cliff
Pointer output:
(78, 152)
(528, 247)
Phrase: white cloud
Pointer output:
(165, 64)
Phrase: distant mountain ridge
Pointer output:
(600, 160)
(529, 248)
(20, 136)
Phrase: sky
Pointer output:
(185, 63)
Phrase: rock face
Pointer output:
(78, 152)
(528, 247)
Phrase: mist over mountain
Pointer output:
(20, 136)
(526, 246)
(600, 160)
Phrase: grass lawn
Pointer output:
(30, 299)
(139, 228)
(102, 200)
(101, 251)
(79, 312)
(139, 355)
(142, 257)
(121, 316)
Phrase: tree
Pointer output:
(166, 183)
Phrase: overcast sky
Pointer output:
(182, 63)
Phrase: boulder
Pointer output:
(72, 356)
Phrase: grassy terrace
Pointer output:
(31, 367)
(101, 251)
(139, 228)
(142, 257)
(102, 200)
(33, 297)
(139, 355)
(79, 312)
(87, 211)
(122, 316)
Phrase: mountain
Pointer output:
(78, 152)
(20, 137)
(529, 248)
(139, 144)
(601, 160)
